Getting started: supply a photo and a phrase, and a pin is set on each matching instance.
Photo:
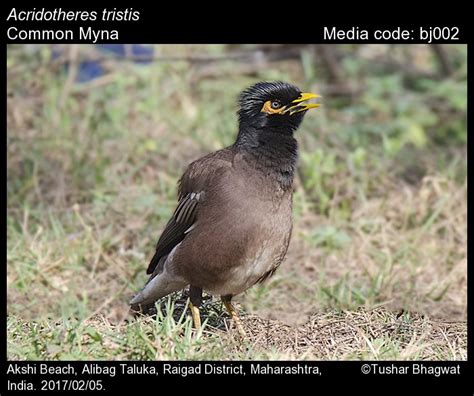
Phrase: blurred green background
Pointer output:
(98, 137)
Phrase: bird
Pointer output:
(233, 221)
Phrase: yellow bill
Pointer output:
(297, 105)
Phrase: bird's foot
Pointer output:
(235, 317)
(196, 316)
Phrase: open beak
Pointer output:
(297, 105)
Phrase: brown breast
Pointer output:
(241, 234)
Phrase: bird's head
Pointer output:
(275, 105)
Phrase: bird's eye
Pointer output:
(276, 104)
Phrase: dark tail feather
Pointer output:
(154, 263)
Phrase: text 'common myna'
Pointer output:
(232, 225)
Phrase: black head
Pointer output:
(273, 105)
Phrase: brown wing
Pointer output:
(192, 190)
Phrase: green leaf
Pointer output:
(416, 135)
(93, 333)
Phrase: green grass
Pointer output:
(360, 334)
(380, 206)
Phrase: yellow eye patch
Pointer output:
(270, 107)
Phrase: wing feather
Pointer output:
(191, 191)
(183, 218)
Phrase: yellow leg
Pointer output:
(235, 318)
(196, 316)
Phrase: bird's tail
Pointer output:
(158, 286)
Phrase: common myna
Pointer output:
(232, 225)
